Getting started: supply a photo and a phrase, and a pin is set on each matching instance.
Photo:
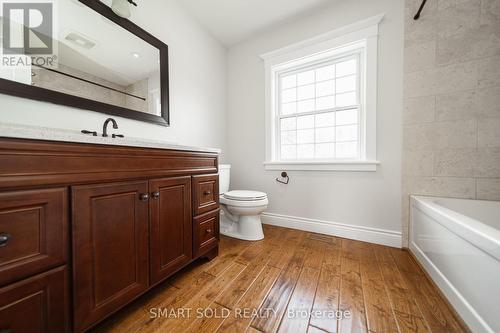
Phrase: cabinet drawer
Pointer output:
(205, 193)
(38, 304)
(33, 232)
(206, 232)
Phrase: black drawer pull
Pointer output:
(207, 192)
(4, 239)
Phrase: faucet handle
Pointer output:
(89, 132)
(118, 136)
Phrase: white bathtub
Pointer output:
(458, 243)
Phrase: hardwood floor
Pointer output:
(293, 281)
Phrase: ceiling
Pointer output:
(232, 21)
(112, 57)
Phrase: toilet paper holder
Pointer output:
(285, 176)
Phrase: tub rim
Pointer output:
(481, 235)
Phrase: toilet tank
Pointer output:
(224, 177)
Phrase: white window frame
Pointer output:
(359, 37)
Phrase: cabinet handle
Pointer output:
(144, 197)
(208, 231)
(4, 239)
(207, 192)
(155, 195)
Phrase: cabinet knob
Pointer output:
(207, 192)
(155, 195)
(4, 239)
(144, 197)
(208, 231)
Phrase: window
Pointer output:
(321, 101)
(318, 110)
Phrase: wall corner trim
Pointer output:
(365, 234)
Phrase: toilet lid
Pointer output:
(245, 195)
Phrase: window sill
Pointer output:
(364, 166)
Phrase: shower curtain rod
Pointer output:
(416, 17)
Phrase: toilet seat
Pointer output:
(240, 195)
(243, 203)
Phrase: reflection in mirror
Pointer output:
(98, 60)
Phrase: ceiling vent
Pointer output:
(79, 40)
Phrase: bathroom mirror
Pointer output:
(100, 62)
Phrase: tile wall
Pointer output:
(451, 117)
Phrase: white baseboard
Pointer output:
(365, 234)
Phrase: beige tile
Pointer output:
(455, 134)
(487, 40)
(487, 163)
(488, 72)
(455, 106)
(454, 162)
(488, 132)
(457, 77)
(419, 110)
(480, 42)
(488, 102)
(441, 80)
(418, 163)
(446, 4)
(420, 56)
(418, 84)
(490, 11)
(419, 137)
(488, 188)
(457, 48)
(458, 17)
(440, 135)
(443, 186)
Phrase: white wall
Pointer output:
(370, 199)
(197, 86)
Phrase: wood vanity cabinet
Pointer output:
(97, 226)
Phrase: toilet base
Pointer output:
(247, 228)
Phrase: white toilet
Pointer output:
(241, 210)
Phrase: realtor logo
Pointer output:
(27, 28)
(27, 33)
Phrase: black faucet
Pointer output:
(105, 126)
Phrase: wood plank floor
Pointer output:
(293, 281)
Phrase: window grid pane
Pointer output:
(325, 87)
(327, 135)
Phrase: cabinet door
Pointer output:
(33, 232)
(110, 248)
(171, 226)
(38, 304)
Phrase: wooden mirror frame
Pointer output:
(46, 95)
